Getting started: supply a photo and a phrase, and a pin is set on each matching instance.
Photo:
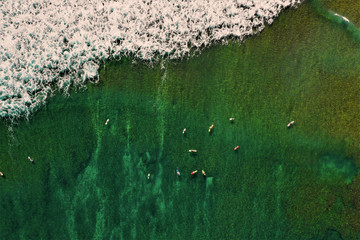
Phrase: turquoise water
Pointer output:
(89, 180)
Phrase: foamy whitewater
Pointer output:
(47, 45)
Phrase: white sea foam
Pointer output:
(46, 45)
(344, 18)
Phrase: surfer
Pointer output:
(236, 148)
(148, 176)
(231, 120)
(193, 151)
(291, 124)
(203, 173)
(2, 175)
(194, 172)
(211, 128)
(178, 172)
(107, 121)
(184, 131)
(30, 159)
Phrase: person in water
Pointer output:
(2, 175)
(203, 173)
(231, 120)
(184, 131)
(178, 172)
(194, 172)
(291, 124)
(148, 176)
(30, 159)
(211, 128)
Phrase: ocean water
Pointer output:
(57, 45)
(89, 180)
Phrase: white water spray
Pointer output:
(46, 45)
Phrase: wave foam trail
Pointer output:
(61, 43)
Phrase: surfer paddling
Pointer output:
(107, 121)
(192, 151)
(203, 173)
(178, 172)
(211, 128)
(231, 120)
(184, 131)
(193, 173)
(236, 148)
(30, 159)
(2, 175)
(291, 124)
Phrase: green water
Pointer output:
(89, 180)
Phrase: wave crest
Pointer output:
(45, 45)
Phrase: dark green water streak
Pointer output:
(89, 180)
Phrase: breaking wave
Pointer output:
(48, 45)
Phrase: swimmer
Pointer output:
(30, 159)
(184, 130)
(290, 124)
(1, 174)
(211, 128)
(148, 176)
(236, 148)
(193, 151)
(194, 172)
(107, 121)
(231, 120)
(203, 173)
